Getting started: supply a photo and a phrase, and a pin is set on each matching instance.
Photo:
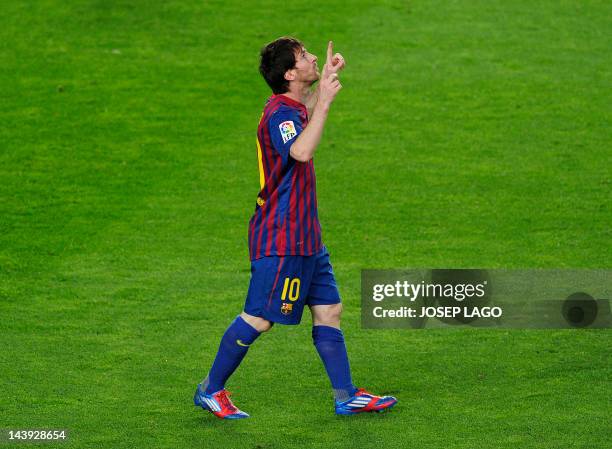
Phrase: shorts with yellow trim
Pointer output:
(281, 286)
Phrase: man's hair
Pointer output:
(276, 58)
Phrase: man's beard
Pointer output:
(317, 77)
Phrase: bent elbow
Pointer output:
(304, 158)
(300, 156)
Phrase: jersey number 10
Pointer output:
(292, 286)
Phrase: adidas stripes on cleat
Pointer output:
(363, 401)
(219, 404)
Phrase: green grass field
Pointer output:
(468, 134)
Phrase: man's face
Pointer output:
(306, 69)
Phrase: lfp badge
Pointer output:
(287, 130)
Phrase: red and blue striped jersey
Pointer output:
(285, 221)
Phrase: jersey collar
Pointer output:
(289, 101)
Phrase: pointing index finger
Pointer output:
(330, 52)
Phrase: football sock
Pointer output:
(234, 346)
(329, 342)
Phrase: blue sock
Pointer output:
(329, 342)
(234, 346)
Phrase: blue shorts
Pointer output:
(282, 285)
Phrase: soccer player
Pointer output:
(290, 266)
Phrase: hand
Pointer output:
(334, 62)
(329, 86)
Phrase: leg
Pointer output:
(261, 324)
(211, 394)
(264, 305)
(326, 308)
(326, 315)
(329, 341)
(241, 333)
(324, 302)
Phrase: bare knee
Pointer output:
(327, 315)
(260, 324)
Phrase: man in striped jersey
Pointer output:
(290, 266)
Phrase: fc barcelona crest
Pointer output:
(286, 308)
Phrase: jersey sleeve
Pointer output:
(285, 126)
